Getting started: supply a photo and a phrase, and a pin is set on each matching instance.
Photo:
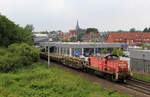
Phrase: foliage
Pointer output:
(120, 52)
(104, 51)
(122, 31)
(114, 52)
(17, 56)
(29, 28)
(132, 30)
(11, 33)
(88, 30)
(80, 35)
(57, 37)
(146, 29)
(65, 40)
(38, 81)
(94, 40)
(143, 47)
(73, 39)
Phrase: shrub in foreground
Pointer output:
(17, 56)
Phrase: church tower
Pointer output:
(77, 28)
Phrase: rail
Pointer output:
(138, 85)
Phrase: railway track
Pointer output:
(129, 85)
(138, 85)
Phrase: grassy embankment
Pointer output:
(142, 77)
(38, 81)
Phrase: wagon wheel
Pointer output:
(113, 78)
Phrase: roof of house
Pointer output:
(128, 35)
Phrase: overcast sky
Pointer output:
(63, 14)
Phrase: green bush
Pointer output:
(17, 56)
(9, 62)
(143, 47)
(26, 51)
(2, 51)
(120, 52)
(104, 51)
(114, 52)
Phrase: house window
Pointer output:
(117, 39)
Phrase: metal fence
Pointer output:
(140, 60)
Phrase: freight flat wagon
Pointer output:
(108, 66)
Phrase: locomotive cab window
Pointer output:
(112, 57)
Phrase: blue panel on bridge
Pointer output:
(124, 45)
(77, 52)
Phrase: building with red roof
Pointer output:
(131, 38)
(91, 36)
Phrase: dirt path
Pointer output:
(102, 82)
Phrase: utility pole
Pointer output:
(48, 55)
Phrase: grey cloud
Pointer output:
(103, 14)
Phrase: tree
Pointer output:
(7, 31)
(143, 47)
(104, 51)
(114, 52)
(132, 30)
(148, 30)
(29, 27)
(88, 30)
(122, 31)
(145, 30)
(73, 39)
(27, 34)
(57, 37)
(120, 52)
(80, 35)
(11, 33)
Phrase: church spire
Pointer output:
(77, 28)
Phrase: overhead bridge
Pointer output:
(80, 48)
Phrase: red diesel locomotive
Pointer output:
(108, 66)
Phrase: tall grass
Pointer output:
(142, 77)
(38, 81)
